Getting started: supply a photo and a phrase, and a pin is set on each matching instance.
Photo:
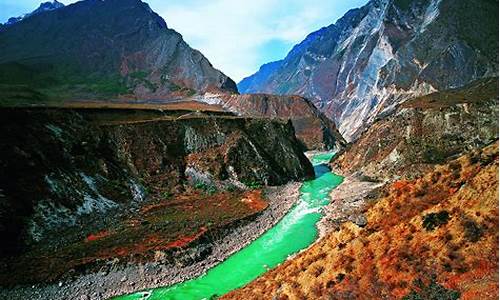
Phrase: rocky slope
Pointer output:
(62, 54)
(425, 131)
(66, 168)
(312, 127)
(384, 53)
(431, 238)
(166, 265)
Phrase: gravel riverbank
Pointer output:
(347, 203)
(118, 278)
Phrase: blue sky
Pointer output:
(237, 36)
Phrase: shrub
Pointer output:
(433, 291)
(231, 188)
(473, 231)
(138, 75)
(209, 189)
(432, 154)
(166, 195)
(253, 185)
(433, 220)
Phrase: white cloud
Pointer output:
(227, 32)
(231, 33)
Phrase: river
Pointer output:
(296, 231)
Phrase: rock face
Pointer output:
(46, 6)
(425, 131)
(312, 127)
(101, 49)
(62, 167)
(384, 53)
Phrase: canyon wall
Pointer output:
(312, 127)
(64, 168)
(425, 131)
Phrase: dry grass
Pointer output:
(478, 91)
(395, 251)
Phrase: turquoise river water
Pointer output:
(296, 231)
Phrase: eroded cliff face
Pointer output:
(384, 53)
(435, 237)
(312, 127)
(425, 131)
(66, 168)
(61, 54)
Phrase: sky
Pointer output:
(237, 36)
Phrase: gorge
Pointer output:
(363, 165)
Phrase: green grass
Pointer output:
(207, 188)
(253, 185)
(48, 83)
(141, 75)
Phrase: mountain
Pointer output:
(101, 49)
(250, 84)
(312, 127)
(425, 131)
(46, 6)
(384, 53)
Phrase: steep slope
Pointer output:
(252, 83)
(312, 127)
(384, 53)
(65, 168)
(425, 131)
(431, 238)
(101, 49)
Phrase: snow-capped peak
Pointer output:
(45, 6)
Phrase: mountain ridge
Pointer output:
(123, 49)
(45, 6)
(384, 53)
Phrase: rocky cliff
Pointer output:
(425, 131)
(67, 168)
(101, 49)
(312, 127)
(384, 53)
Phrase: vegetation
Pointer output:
(432, 291)
(207, 188)
(140, 77)
(158, 226)
(401, 245)
(47, 84)
(433, 220)
(253, 185)
(473, 231)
